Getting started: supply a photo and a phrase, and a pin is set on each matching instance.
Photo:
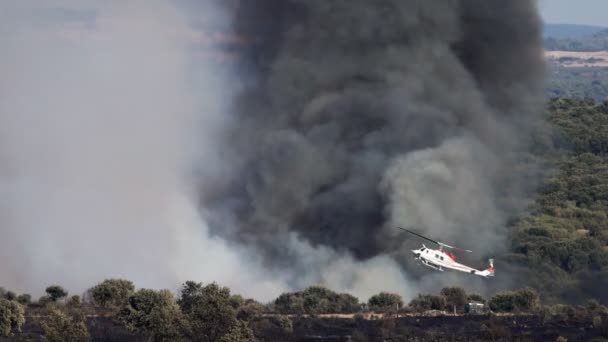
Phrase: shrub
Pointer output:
(210, 312)
(428, 302)
(156, 314)
(56, 293)
(12, 316)
(74, 301)
(525, 300)
(385, 301)
(60, 327)
(456, 297)
(111, 292)
(24, 299)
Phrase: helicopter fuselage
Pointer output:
(441, 260)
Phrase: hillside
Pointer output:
(559, 31)
(597, 41)
(563, 244)
(577, 82)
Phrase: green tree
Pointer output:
(249, 310)
(24, 299)
(289, 303)
(111, 292)
(239, 332)
(474, 297)
(12, 316)
(74, 301)
(455, 297)
(209, 310)
(524, 300)
(10, 295)
(59, 327)
(385, 301)
(56, 292)
(428, 302)
(156, 314)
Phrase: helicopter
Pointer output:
(440, 260)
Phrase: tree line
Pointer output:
(211, 312)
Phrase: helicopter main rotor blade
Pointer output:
(420, 236)
(456, 248)
(436, 242)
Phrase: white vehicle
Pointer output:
(440, 260)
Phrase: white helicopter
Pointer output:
(439, 259)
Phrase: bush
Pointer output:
(316, 300)
(60, 327)
(473, 297)
(10, 295)
(210, 312)
(111, 292)
(74, 301)
(428, 302)
(24, 299)
(154, 313)
(524, 300)
(12, 316)
(385, 301)
(249, 310)
(56, 293)
(456, 298)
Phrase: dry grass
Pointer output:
(581, 58)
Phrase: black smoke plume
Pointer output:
(368, 115)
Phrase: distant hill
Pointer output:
(559, 31)
(595, 41)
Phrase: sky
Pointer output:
(586, 12)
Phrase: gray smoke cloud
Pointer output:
(104, 109)
(368, 116)
(127, 153)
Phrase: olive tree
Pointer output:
(111, 292)
(154, 313)
(385, 301)
(59, 327)
(210, 312)
(12, 316)
(56, 293)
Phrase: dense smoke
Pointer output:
(101, 106)
(374, 115)
(344, 120)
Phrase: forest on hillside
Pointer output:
(563, 243)
(577, 82)
(597, 41)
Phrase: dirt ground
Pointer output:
(573, 59)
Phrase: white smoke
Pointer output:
(101, 123)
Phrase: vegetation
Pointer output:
(524, 300)
(212, 313)
(597, 41)
(385, 301)
(156, 314)
(569, 30)
(12, 317)
(577, 82)
(112, 292)
(60, 327)
(56, 293)
(563, 241)
(316, 300)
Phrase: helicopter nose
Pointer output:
(416, 253)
